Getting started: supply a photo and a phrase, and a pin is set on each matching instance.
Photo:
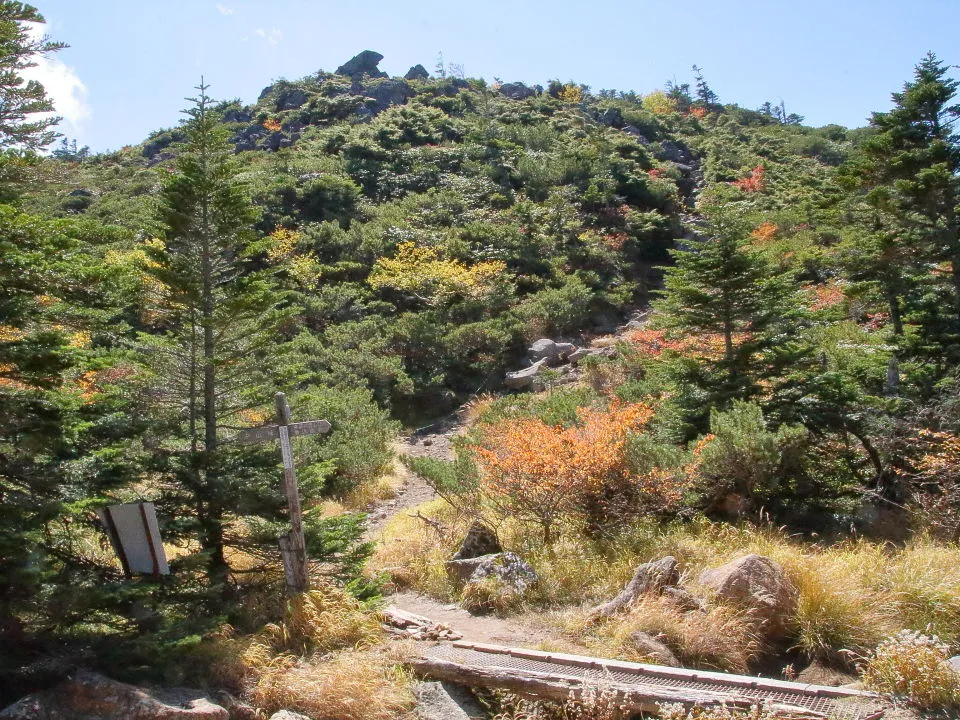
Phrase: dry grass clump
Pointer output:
(414, 552)
(323, 619)
(349, 686)
(914, 665)
(676, 711)
(491, 595)
(720, 638)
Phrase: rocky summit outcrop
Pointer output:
(89, 696)
(417, 72)
(517, 91)
(364, 63)
(759, 585)
(386, 92)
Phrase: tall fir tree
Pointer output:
(216, 354)
(907, 178)
(719, 286)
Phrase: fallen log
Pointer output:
(630, 698)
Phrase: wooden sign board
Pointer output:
(135, 536)
(272, 432)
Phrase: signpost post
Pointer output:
(292, 545)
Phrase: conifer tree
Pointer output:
(718, 286)
(18, 99)
(216, 354)
(908, 177)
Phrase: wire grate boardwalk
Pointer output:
(641, 687)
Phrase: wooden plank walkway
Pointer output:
(639, 687)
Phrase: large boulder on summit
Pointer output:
(759, 585)
(517, 91)
(417, 72)
(89, 696)
(364, 63)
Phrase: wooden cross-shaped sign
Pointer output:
(292, 545)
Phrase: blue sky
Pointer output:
(132, 62)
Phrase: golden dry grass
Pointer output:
(851, 593)
(350, 685)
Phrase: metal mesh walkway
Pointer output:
(817, 700)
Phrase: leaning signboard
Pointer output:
(135, 537)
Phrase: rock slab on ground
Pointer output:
(653, 649)
(288, 715)
(521, 379)
(507, 567)
(651, 577)
(758, 584)
(444, 701)
(90, 696)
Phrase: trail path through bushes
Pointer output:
(435, 442)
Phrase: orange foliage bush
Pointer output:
(754, 182)
(271, 125)
(542, 473)
(651, 344)
(764, 233)
(825, 295)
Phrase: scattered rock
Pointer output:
(684, 599)
(611, 117)
(236, 708)
(517, 91)
(234, 115)
(388, 92)
(577, 355)
(506, 567)
(90, 696)
(651, 577)
(292, 99)
(288, 715)
(524, 378)
(552, 352)
(81, 192)
(445, 701)
(479, 541)
(417, 72)
(364, 63)
(674, 152)
(955, 663)
(758, 584)
(635, 132)
(653, 649)
(275, 141)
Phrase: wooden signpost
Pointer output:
(292, 545)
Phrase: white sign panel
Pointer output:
(135, 536)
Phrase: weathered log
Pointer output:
(651, 577)
(631, 698)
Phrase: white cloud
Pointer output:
(63, 86)
(224, 10)
(273, 37)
